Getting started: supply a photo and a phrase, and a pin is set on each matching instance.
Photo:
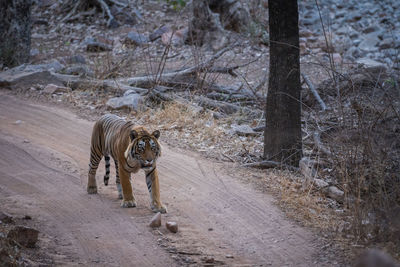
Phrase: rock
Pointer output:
(208, 259)
(78, 69)
(25, 236)
(155, 221)
(5, 218)
(17, 122)
(229, 256)
(368, 44)
(76, 59)
(122, 15)
(176, 38)
(372, 65)
(243, 130)
(53, 89)
(96, 46)
(306, 166)
(25, 76)
(132, 101)
(386, 44)
(319, 183)
(158, 33)
(372, 28)
(34, 52)
(353, 52)
(172, 226)
(354, 16)
(134, 38)
(335, 193)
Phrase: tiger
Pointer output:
(132, 148)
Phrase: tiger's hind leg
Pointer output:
(96, 153)
(93, 165)
(107, 175)
(117, 180)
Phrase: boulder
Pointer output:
(132, 101)
(370, 42)
(371, 65)
(158, 33)
(25, 77)
(335, 193)
(25, 236)
(175, 38)
(134, 38)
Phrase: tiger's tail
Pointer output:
(107, 175)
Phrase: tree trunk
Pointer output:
(282, 138)
(15, 31)
(204, 26)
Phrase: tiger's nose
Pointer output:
(148, 162)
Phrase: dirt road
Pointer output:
(43, 164)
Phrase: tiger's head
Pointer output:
(144, 148)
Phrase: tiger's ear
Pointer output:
(156, 134)
(133, 135)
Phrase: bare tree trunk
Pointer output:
(282, 138)
(15, 31)
(204, 26)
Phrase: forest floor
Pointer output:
(223, 218)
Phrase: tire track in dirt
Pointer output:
(217, 214)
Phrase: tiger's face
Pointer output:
(145, 148)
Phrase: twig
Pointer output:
(318, 143)
(266, 164)
(314, 91)
(105, 8)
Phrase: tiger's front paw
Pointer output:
(161, 209)
(92, 189)
(128, 203)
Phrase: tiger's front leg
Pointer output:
(128, 200)
(154, 189)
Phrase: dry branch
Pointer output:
(205, 66)
(266, 164)
(314, 91)
(74, 82)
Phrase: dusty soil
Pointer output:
(44, 154)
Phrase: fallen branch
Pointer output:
(314, 91)
(227, 108)
(74, 82)
(320, 146)
(105, 8)
(266, 164)
(188, 71)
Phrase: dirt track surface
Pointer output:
(44, 154)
